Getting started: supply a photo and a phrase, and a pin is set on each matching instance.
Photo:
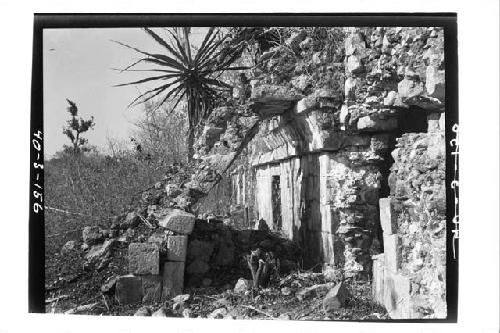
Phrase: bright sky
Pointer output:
(77, 64)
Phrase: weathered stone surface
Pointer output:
(435, 82)
(152, 289)
(387, 219)
(98, 252)
(314, 291)
(242, 285)
(144, 259)
(374, 123)
(92, 235)
(132, 220)
(129, 289)
(173, 279)
(336, 297)
(392, 252)
(177, 248)
(408, 88)
(144, 311)
(69, 247)
(397, 295)
(161, 312)
(178, 221)
(378, 278)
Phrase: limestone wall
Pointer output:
(412, 269)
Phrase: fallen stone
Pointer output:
(177, 248)
(69, 247)
(132, 220)
(172, 190)
(152, 289)
(99, 252)
(187, 313)
(178, 221)
(284, 316)
(242, 285)
(143, 311)
(92, 235)
(129, 289)
(173, 279)
(314, 291)
(144, 259)
(336, 297)
(218, 313)
(181, 298)
(161, 312)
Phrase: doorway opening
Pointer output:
(276, 202)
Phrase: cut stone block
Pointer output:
(378, 278)
(129, 289)
(397, 295)
(144, 259)
(392, 255)
(177, 248)
(152, 289)
(173, 279)
(178, 221)
(388, 220)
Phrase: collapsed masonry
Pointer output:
(347, 161)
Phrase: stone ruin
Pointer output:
(351, 168)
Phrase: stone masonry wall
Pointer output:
(412, 269)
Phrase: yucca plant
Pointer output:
(184, 76)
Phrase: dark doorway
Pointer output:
(276, 202)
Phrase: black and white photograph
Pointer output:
(250, 172)
(250, 167)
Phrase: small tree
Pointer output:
(76, 126)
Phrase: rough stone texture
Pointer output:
(173, 279)
(410, 278)
(213, 246)
(314, 291)
(69, 247)
(92, 235)
(242, 285)
(129, 289)
(388, 220)
(392, 250)
(143, 258)
(177, 248)
(152, 289)
(336, 297)
(131, 220)
(178, 221)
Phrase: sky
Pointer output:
(78, 65)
